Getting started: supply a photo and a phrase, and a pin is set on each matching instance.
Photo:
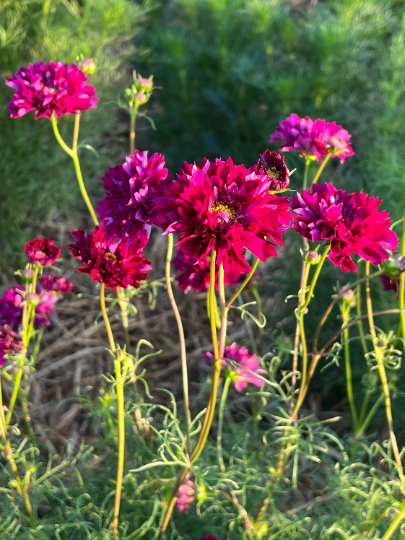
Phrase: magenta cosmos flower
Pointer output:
(186, 494)
(11, 307)
(42, 251)
(223, 207)
(351, 222)
(57, 284)
(50, 88)
(274, 166)
(240, 374)
(112, 264)
(195, 274)
(127, 209)
(10, 343)
(311, 138)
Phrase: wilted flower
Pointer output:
(112, 264)
(313, 139)
(10, 343)
(11, 307)
(196, 274)
(50, 88)
(42, 251)
(127, 209)
(274, 166)
(350, 221)
(56, 283)
(223, 207)
(239, 374)
(186, 493)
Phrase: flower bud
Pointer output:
(28, 273)
(348, 295)
(88, 66)
(313, 257)
(33, 299)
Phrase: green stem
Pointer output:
(16, 389)
(321, 168)
(183, 352)
(133, 114)
(315, 277)
(395, 524)
(256, 295)
(383, 376)
(364, 407)
(363, 425)
(72, 152)
(243, 285)
(221, 422)
(349, 384)
(306, 170)
(209, 414)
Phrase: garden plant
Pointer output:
(241, 454)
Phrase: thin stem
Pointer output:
(133, 115)
(362, 426)
(183, 353)
(297, 326)
(76, 132)
(256, 295)
(9, 455)
(83, 188)
(360, 324)
(243, 285)
(349, 385)
(321, 168)
(209, 414)
(17, 382)
(124, 313)
(221, 422)
(105, 317)
(315, 278)
(332, 305)
(395, 524)
(306, 170)
(381, 370)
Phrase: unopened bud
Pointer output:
(88, 66)
(348, 294)
(145, 84)
(140, 97)
(313, 256)
(33, 299)
(28, 273)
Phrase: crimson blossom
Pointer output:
(223, 207)
(11, 307)
(10, 343)
(127, 209)
(57, 284)
(240, 374)
(41, 251)
(111, 264)
(274, 166)
(50, 88)
(195, 274)
(351, 222)
(313, 139)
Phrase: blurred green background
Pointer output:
(226, 71)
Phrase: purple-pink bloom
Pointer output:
(57, 284)
(195, 274)
(313, 139)
(115, 265)
(223, 207)
(41, 251)
(350, 221)
(186, 493)
(127, 209)
(11, 307)
(50, 88)
(245, 372)
(10, 343)
(274, 166)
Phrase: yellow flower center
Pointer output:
(272, 174)
(111, 257)
(221, 207)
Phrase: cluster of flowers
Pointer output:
(41, 253)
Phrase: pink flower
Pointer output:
(351, 223)
(56, 283)
(10, 343)
(196, 274)
(11, 307)
(186, 494)
(243, 373)
(127, 209)
(274, 166)
(223, 207)
(313, 139)
(50, 88)
(112, 264)
(41, 251)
